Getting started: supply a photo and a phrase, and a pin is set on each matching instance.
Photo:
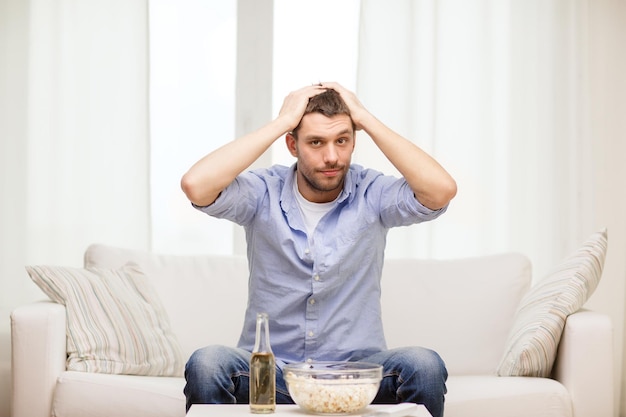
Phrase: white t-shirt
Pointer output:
(311, 212)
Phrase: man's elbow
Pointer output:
(195, 190)
(445, 193)
(449, 190)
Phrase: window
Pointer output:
(192, 85)
(313, 41)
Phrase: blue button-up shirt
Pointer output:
(321, 292)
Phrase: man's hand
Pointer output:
(295, 104)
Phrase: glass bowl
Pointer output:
(332, 388)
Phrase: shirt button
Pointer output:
(310, 334)
(307, 251)
(312, 301)
(316, 277)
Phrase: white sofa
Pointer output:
(462, 308)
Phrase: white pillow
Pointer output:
(533, 341)
(116, 323)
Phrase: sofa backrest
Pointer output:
(461, 308)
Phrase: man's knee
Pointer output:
(214, 359)
(424, 362)
(213, 376)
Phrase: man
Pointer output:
(316, 236)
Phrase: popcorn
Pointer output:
(332, 396)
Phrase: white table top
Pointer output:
(243, 410)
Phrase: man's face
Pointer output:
(324, 150)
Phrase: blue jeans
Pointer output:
(219, 375)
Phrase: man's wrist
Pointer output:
(284, 124)
(363, 119)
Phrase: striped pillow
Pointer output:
(533, 341)
(116, 323)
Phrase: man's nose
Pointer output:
(331, 155)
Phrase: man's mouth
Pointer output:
(331, 172)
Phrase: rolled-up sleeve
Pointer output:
(239, 201)
(399, 207)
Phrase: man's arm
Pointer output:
(206, 179)
(430, 182)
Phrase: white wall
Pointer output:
(607, 105)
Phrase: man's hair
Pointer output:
(329, 103)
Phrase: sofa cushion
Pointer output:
(461, 308)
(492, 396)
(115, 321)
(80, 394)
(204, 295)
(533, 340)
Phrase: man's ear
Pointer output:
(290, 140)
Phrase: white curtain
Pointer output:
(520, 100)
(73, 139)
(74, 131)
(490, 89)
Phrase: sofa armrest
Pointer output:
(584, 363)
(38, 356)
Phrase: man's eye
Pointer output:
(341, 141)
(315, 142)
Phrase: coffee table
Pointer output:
(243, 410)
